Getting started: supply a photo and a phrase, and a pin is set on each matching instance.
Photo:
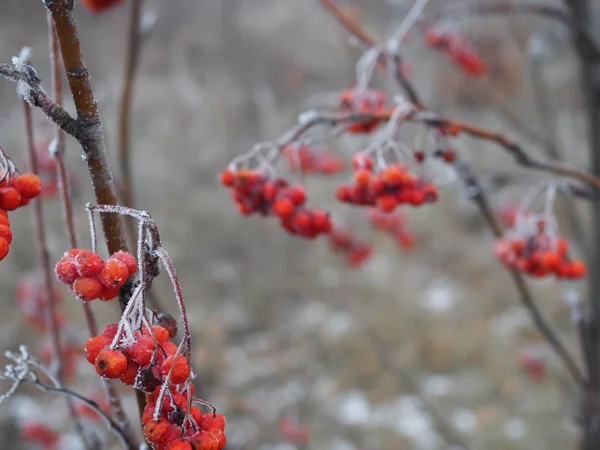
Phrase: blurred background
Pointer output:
(294, 347)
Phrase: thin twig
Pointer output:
(50, 305)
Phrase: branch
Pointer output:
(29, 85)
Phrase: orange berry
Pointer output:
(205, 441)
(283, 207)
(550, 259)
(180, 444)
(394, 175)
(6, 234)
(362, 177)
(94, 346)
(87, 288)
(128, 259)
(161, 333)
(111, 363)
(156, 432)
(578, 269)
(227, 178)
(88, 263)
(169, 347)
(4, 221)
(10, 198)
(4, 248)
(386, 203)
(29, 185)
(65, 270)
(219, 436)
(113, 274)
(210, 420)
(181, 368)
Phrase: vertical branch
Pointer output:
(50, 306)
(58, 151)
(124, 138)
(92, 138)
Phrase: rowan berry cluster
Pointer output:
(354, 251)
(386, 189)
(359, 101)
(395, 224)
(15, 191)
(98, 6)
(254, 192)
(90, 278)
(311, 160)
(539, 255)
(455, 46)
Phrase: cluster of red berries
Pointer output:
(89, 277)
(311, 160)
(354, 251)
(98, 6)
(456, 48)
(33, 300)
(255, 193)
(395, 224)
(18, 190)
(367, 102)
(15, 191)
(539, 255)
(387, 189)
(40, 434)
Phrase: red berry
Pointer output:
(156, 432)
(109, 293)
(128, 259)
(88, 263)
(181, 368)
(10, 198)
(111, 330)
(94, 346)
(111, 363)
(4, 220)
(297, 194)
(283, 207)
(98, 6)
(87, 288)
(180, 444)
(29, 185)
(130, 374)
(65, 270)
(227, 178)
(6, 234)
(210, 420)
(113, 274)
(141, 350)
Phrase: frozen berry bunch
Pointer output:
(385, 189)
(90, 278)
(394, 224)
(539, 255)
(363, 102)
(256, 193)
(310, 160)
(355, 252)
(454, 45)
(98, 6)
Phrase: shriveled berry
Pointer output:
(111, 363)
(88, 263)
(168, 322)
(181, 368)
(29, 185)
(113, 274)
(87, 288)
(65, 270)
(94, 346)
